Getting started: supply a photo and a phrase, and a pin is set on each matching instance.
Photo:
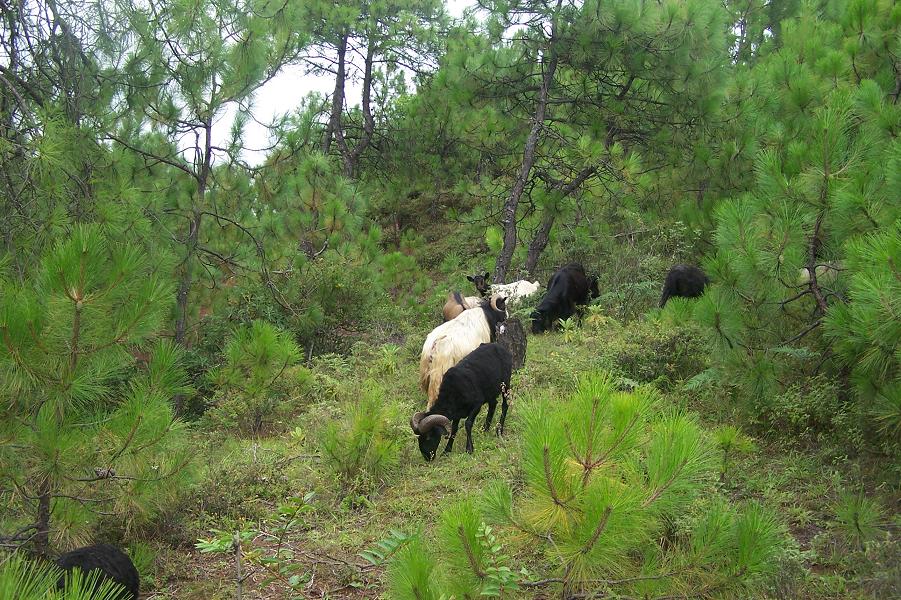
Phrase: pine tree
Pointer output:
(824, 182)
(387, 35)
(183, 64)
(84, 433)
(571, 100)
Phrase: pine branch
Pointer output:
(550, 481)
(659, 491)
(469, 553)
(151, 155)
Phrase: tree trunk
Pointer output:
(186, 278)
(42, 535)
(187, 273)
(512, 336)
(812, 249)
(542, 236)
(528, 160)
(352, 157)
(539, 242)
(334, 123)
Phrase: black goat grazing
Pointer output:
(476, 380)
(481, 283)
(685, 281)
(112, 563)
(568, 288)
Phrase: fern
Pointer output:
(387, 548)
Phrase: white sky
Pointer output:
(283, 94)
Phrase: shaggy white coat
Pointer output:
(446, 345)
(516, 291)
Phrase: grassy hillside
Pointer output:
(802, 478)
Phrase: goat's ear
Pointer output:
(487, 275)
(469, 277)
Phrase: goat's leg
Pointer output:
(470, 421)
(505, 398)
(490, 416)
(450, 439)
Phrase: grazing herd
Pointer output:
(448, 343)
(461, 368)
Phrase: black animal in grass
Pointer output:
(685, 281)
(568, 288)
(480, 280)
(113, 564)
(478, 379)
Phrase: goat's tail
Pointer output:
(425, 366)
(440, 364)
(432, 367)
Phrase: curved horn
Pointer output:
(414, 422)
(430, 422)
(498, 303)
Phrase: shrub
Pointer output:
(361, 446)
(653, 351)
(810, 409)
(243, 485)
(258, 378)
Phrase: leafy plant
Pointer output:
(386, 548)
(498, 575)
(388, 354)
(278, 561)
(568, 328)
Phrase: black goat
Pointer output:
(568, 288)
(476, 380)
(112, 563)
(686, 281)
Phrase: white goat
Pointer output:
(516, 291)
(448, 343)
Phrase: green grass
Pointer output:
(245, 479)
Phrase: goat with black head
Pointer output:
(568, 288)
(478, 379)
(481, 283)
